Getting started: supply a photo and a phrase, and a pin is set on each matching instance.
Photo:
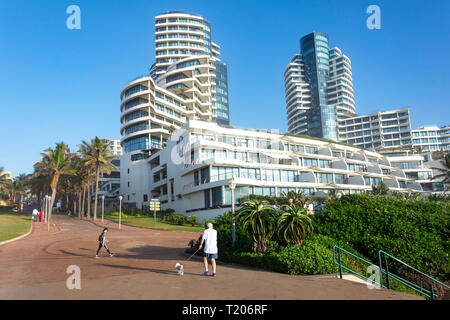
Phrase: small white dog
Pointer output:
(179, 267)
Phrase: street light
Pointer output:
(120, 210)
(48, 211)
(232, 186)
(103, 206)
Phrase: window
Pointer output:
(145, 198)
(325, 177)
(216, 196)
(270, 175)
(250, 173)
(311, 150)
(340, 178)
(290, 176)
(223, 173)
(357, 167)
(310, 162)
(325, 163)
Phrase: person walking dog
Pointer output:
(210, 250)
(102, 243)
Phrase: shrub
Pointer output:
(414, 231)
(181, 220)
(193, 219)
(116, 214)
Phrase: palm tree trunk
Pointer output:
(84, 199)
(55, 185)
(74, 203)
(79, 204)
(96, 194)
(89, 201)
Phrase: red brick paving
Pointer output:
(143, 268)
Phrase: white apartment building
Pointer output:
(419, 167)
(187, 81)
(431, 138)
(379, 130)
(115, 148)
(192, 173)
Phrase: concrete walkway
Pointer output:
(143, 268)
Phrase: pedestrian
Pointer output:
(210, 250)
(102, 243)
(34, 214)
(40, 215)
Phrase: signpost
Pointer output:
(155, 205)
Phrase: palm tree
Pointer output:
(20, 185)
(55, 163)
(298, 199)
(294, 225)
(5, 182)
(99, 156)
(258, 218)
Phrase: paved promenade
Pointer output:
(35, 268)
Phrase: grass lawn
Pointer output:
(13, 224)
(149, 223)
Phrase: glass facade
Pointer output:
(222, 106)
(322, 120)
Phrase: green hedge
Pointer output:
(414, 231)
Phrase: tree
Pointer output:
(98, 155)
(298, 199)
(258, 219)
(20, 185)
(171, 129)
(380, 189)
(5, 182)
(55, 163)
(294, 225)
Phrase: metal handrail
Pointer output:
(341, 266)
(429, 293)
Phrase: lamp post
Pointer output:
(44, 207)
(48, 212)
(232, 186)
(103, 206)
(120, 210)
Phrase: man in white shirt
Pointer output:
(210, 250)
(35, 215)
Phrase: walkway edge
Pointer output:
(19, 237)
(140, 227)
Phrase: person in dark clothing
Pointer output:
(102, 243)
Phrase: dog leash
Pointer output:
(192, 255)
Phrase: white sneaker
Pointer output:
(96, 256)
(111, 255)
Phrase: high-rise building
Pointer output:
(179, 35)
(187, 81)
(431, 138)
(318, 87)
(379, 130)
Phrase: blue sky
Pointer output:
(63, 85)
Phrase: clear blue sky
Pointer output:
(63, 85)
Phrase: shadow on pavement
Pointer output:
(175, 273)
(152, 253)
